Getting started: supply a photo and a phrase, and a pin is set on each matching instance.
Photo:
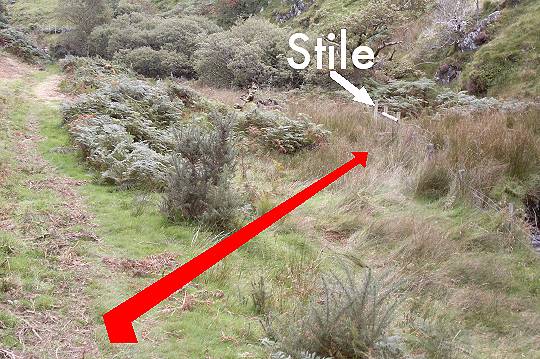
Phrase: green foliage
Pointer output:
(253, 51)
(199, 184)
(414, 97)
(349, 320)
(260, 296)
(124, 130)
(508, 65)
(20, 45)
(409, 97)
(275, 131)
(155, 46)
(84, 74)
(229, 11)
(84, 16)
(155, 63)
(3, 12)
(435, 339)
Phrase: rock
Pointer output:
(447, 73)
(297, 8)
(476, 38)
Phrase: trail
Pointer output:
(67, 329)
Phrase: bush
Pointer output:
(19, 44)
(275, 131)
(253, 51)
(155, 63)
(199, 184)
(85, 74)
(166, 44)
(124, 130)
(349, 320)
(122, 160)
(213, 57)
(228, 12)
(3, 12)
(84, 16)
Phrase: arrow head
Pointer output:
(361, 158)
(119, 328)
(362, 96)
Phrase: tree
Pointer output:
(452, 19)
(229, 11)
(3, 11)
(84, 16)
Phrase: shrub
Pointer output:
(3, 12)
(110, 148)
(228, 12)
(211, 60)
(85, 74)
(20, 45)
(124, 130)
(349, 320)
(199, 183)
(278, 132)
(260, 296)
(154, 63)
(251, 51)
(409, 97)
(166, 44)
(84, 16)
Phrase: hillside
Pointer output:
(138, 134)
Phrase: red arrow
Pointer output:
(119, 321)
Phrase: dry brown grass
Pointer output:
(489, 146)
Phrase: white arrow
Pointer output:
(360, 95)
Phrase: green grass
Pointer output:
(509, 64)
(124, 235)
(29, 13)
(323, 15)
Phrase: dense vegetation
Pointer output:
(425, 253)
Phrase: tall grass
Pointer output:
(427, 155)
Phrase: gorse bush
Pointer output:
(349, 320)
(199, 183)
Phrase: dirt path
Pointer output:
(67, 329)
(48, 89)
(12, 69)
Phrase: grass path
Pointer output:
(44, 220)
(73, 248)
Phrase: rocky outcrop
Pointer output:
(476, 38)
(447, 73)
(297, 8)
